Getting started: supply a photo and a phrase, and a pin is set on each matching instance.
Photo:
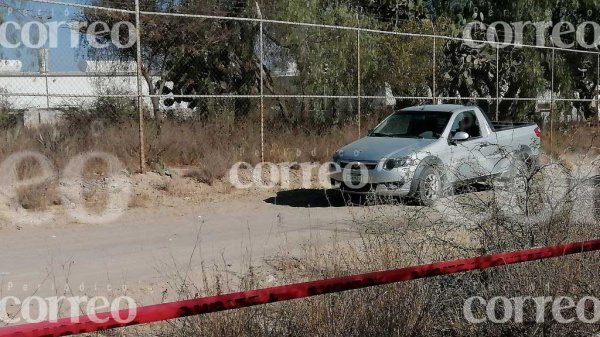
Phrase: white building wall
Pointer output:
(78, 89)
(64, 91)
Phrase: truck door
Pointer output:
(473, 158)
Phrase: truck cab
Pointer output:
(421, 151)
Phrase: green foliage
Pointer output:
(107, 110)
(7, 118)
(200, 57)
(208, 57)
(114, 109)
(523, 72)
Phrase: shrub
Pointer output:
(7, 118)
(107, 110)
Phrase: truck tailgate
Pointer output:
(519, 137)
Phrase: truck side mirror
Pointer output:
(461, 136)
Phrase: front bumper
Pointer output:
(378, 181)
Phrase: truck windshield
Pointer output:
(413, 124)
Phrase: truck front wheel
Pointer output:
(430, 186)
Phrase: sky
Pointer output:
(64, 58)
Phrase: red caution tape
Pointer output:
(166, 311)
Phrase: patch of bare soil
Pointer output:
(181, 186)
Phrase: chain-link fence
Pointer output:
(232, 60)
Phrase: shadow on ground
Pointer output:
(308, 198)
(315, 198)
(319, 198)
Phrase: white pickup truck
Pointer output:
(420, 151)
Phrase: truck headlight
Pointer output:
(393, 163)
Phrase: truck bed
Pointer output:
(503, 126)
(518, 137)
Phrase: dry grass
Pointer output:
(573, 138)
(430, 307)
(207, 148)
(140, 199)
(402, 235)
(200, 175)
(211, 146)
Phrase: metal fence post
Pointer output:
(139, 86)
(497, 81)
(434, 70)
(262, 86)
(552, 102)
(358, 75)
(433, 92)
(46, 58)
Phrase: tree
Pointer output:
(214, 57)
(327, 59)
(199, 57)
(523, 72)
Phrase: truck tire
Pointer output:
(515, 178)
(430, 186)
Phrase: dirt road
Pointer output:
(147, 248)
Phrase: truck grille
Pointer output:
(356, 165)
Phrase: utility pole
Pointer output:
(139, 86)
(44, 59)
(358, 74)
(262, 87)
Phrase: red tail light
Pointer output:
(538, 132)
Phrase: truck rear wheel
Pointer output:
(515, 177)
